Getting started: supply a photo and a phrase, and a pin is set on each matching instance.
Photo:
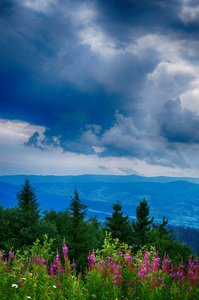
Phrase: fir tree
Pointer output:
(27, 202)
(28, 213)
(77, 231)
(162, 231)
(118, 225)
(141, 228)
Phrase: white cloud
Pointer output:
(190, 100)
(11, 131)
(189, 13)
(98, 41)
(44, 6)
(84, 14)
(92, 34)
(18, 159)
(175, 76)
(98, 149)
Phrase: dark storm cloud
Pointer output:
(39, 81)
(32, 87)
(129, 19)
(77, 69)
(178, 125)
(33, 141)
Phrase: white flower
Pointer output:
(24, 279)
(14, 285)
(54, 286)
(28, 297)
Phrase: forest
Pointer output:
(23, 224)
(66, 255)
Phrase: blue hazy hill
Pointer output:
(175, 198)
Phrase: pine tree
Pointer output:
(141, 228)
(28, 213)
(118, 225)
(77, 232)
(27, 202)
(162, 231)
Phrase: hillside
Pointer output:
(177, 200)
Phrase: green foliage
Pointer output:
(10, 227)
(77, 235)
(27, 204)
(162, 231)
(38, 250)
(60, 219)
(28, 214)
(162, 239)
(22, 225)
(113, 273)
(119, 225)
(141, 228)
(111, 247)
(95, 232)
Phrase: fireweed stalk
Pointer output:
(115, 276)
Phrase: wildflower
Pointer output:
(23, 278)
(91, 260)
(15, 286)
(28, 297)
(73, 266)
(128, 256)
(10, 255)
(65, 250)
(54, 286)
(61, 271)
(182, 266)
(57, 258)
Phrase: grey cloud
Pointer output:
(33, 141)
(60, 82)
(178, 125)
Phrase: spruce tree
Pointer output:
(27, 203)
(118, 225)
(141, 228)
(28, 213)
(77, 236)
(162, 231)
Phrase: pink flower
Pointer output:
(65, 250)
(10, 255)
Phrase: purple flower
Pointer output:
(73, 266)
(10, 255)
(65, 250)
(57, 258)
(91, 260)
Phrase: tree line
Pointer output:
(23, 224)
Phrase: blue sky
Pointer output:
(99, 87)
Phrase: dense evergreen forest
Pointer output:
(22, 225)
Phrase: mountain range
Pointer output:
(175, 198)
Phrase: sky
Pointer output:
(99, 87)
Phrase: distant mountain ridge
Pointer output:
(175, 198)
(18, 179)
